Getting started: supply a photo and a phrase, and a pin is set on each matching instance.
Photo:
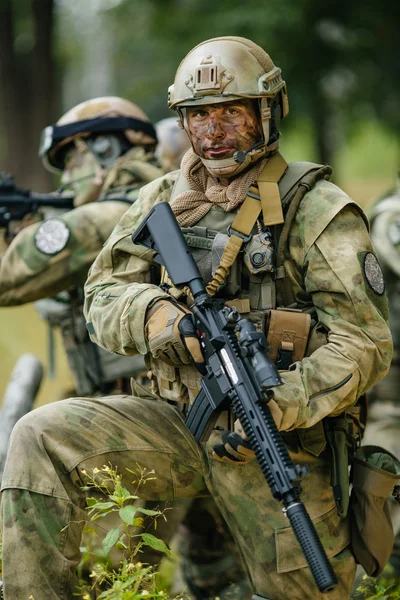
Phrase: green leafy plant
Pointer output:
(132, 579)
(386, 587)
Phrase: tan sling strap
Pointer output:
(243, 223)
(267, 183)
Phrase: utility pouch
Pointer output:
(287, 336)
(337, 434)
(374, 474)
(258, 255)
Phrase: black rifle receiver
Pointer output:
(239, 373)
(16, 203)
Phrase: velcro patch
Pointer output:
(52, 236)
(373, 274)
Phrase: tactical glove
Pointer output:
(171, 335)
(235, 448)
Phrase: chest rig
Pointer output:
(240, 256)
(247, 270)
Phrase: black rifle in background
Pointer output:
(239, 374)
(16, 203)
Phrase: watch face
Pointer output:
(52, 236)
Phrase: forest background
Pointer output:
(338, 57)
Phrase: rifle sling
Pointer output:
(263, 196)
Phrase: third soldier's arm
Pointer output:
(28, 274)
(350, 305)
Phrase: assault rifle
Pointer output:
(239, 374)
(16, 203)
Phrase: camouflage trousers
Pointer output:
(42, 492)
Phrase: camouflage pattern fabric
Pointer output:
(39, 502)
(27, 274)
(324, 261)
(217, 572)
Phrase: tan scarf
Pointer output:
(205, 191)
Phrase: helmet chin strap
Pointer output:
(230, 167)
(240, 158)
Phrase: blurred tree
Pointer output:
(339, 59)
(27, 87)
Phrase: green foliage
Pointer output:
(386, 587)
(132, 579)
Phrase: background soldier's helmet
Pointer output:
(90, 137)
(224, 69)
(172, 143)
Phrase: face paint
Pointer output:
(82, 173)
(219, 130)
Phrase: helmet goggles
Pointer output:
(55, 134)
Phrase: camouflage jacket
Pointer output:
(330, 264)
(28, 273)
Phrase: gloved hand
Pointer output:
(235, 448)
(171, 334)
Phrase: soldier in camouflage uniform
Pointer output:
(105, 151)
(229, 96)
(383, 425)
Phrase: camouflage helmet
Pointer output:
(223, 69)
(104, 115)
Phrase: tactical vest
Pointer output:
(93, 369)
(256, 285)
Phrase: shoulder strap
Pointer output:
(302, 179)
(294, 173)
(246, 218)
(181, 185)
